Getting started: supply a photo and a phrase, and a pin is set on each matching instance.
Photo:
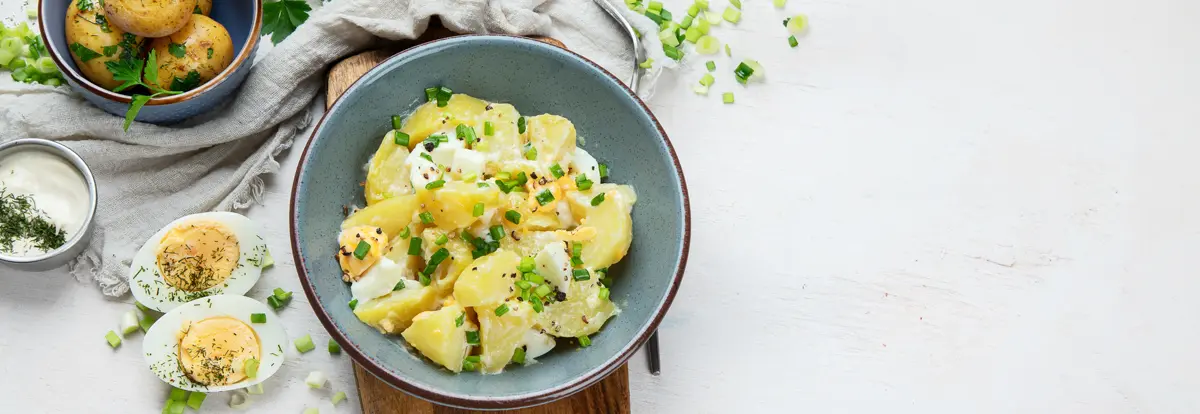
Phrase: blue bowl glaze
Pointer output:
(537, 78)
(243, 20)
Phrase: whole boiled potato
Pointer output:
(93, 42)
(149, 18)
(203, 7)
(195, 54)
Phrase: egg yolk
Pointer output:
(197, 256)
(368, 240)
(214, 351)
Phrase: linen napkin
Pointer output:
(151, 175)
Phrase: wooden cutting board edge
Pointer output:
(610, 395)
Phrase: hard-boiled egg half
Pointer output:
(197, 256)
(216, 343)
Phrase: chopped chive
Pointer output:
(512, 216)
(401, 138)
(424, 279)
(397, 121)
(258, 318)
(399, 285)
(473, 337)
(603, 171)
(353, 304)
(462, 318)
(707, 79)
(337, 398)
(792, 41)
(604, 293)
(502, 309)
(431, 94)
(581, 274)
(557, 171)
(780, 3)
(646, 64)
(503, 186)
(360, 251)
(576, 249)
(281, 294)
(414, 247)
(196, 399)
(469, 366)
(251, 368)
(523, 284)
(597, 199)
(435, 184)
(531, 153)
(542, 290)
(521, 125)
(727, 97)
(271, 300)
(534, 277)
(584, 341)
(478, 211)
(526, 265)
(435, 260)
(404, 233)
(728, 51)
(470, 177)
(545, 197)
(731, 15)
(583, 182)
(426, 156)
(442, 239)
(538, 306)
(503, 176)
(482, 184)
(443, 96)
(497, 232)
(521, 178)
(426, 217)
(710, 65)
(736, 3)
(672, 52)
(655, 6)
(489, 128)
(576, 261)
(334, 348)
(464, 133)
(113, 339)
(177, 395)
(305, 343)
(519, 355)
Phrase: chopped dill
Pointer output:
(20, 219)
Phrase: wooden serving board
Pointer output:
(608, 396)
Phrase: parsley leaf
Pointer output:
(84, 5)
(135, 106)
(210, 53)
(280, 18)
(128, 71)
(82, 52)
(191, 81)
(177, 50)
(109, 51)
(131, 71)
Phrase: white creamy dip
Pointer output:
(58, 191)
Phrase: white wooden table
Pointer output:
(931, 206)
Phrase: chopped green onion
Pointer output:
(693, 34)
(473, 337)
(646, 64)
(113, 339)
(305, 343)
(728, 52)
(531, 153)
(424, 279)
(668, 38)
(400, 138)
(519, 355)
(504, 186)
(537, 305)
(195, 399)
(353, 304)
(462, 318)
(471, 363)
(700, 90)
(736, 3)
(581, 274)
(503, 175)
(542, 290)
(435, 260)
(604, 293)
(603, 171)
(464, 133)
(797, 24)
(792, 41)
(672, 52)
(743, 72)
(686, 22)
(399, 285)
(584, 341)
(521, 125)
(339, 397)
(666, 15)
(526, 265)
(177, 395)
(174, 407)
(443, 96)
(597, 199)
(414, 247)
(707, 45)
(693, 10)
(258, 318)
(497, 232)
(556, 171)
(251, 368)
(316, 379)
(426, 156)
(521, 178)
(431, 94)
(426, 217)
(129, 322)
(470, 177)
(582, 182)
(334, 348)
(478, 210)
(707, 79)
(311, 410)
(780, 3)
(576, 249)
(482, 184)
(545, 197)
(441, 239)
(397, 122)
(360, 251)
(271, 300)
(489, 128)
(703, 25)
(732, 15)
(727, 97)
(655, 6)
(523, 284)
(533, 277)
(502, 309)
(405, 232)
(702, 4)
(710, 65)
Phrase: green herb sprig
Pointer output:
(131, 71)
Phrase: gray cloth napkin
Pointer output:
(151, 175)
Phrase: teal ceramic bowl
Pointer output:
(537, 78)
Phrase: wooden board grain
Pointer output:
(609, 396)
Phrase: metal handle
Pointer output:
(615, 13)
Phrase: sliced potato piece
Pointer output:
(386, 175)
(488, 280)
(583, 313)
(614, 230)
(429, 118)
(394, 313)
(500, 335)
(554, 138)
(435, 335)
(447, 272)
(392, 215)
(453, 205)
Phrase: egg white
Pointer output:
(161, 344)
(151, 290)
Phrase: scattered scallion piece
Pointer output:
(334, 348)
(686, 22)
(779, 4)
(707, 45)
(478, 210)
(646, 64)
(521, 125)
(441, 239)
(489, 128)
(584, 341)
(727, 97)
(668, 38)
(604, 293)
(703, 25)
(519, 355)
(434, 261)
(693, 34)
(399, 285)
(599, 198)
(576, 249)
(435, 184)
(743, 72)
(113, 339)
(462, 318)
(581, 274)
(339, 397)
(414, 247)
(473, 337)
(581, 181)
(397, 121)
(736, 3)
(174, 407)
(700, 89)
(707, 79)
(603, 171)
(353, 304)
(732, 15)
(538, 306)
(545, 197)
(672, 52)
(177, 395)
(129, 322)
(258, 318)
(251, 368)
(542, 290)
(470, 177)
(497, 232)
(557, 171)
(526, 264)
(360, 251)
(443, 96)
(431, 94)
(792, 41)
(531, 153)
(797, 24)
(534, 278)
(305, 343)
(424, 279)
(195, 399)
(148, 320)
(666, 15)
(426, 217)
(316, 379)
(471, 363)
(523, 284)
(728, 51)
(655, 6)
(502, 309)
(712, 66)
(512, 216)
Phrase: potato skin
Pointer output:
(88, 29)
(205, 7)
(149, 18)
(200, 35)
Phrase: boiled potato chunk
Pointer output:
(429, 118)
(149, 18)
(88, 37)
(387, 176)
(614, 230)
(192, 56)
(392, 215)
(553, 136)
(531, 243)
(583, 313)
(505, 142)
(394, 313)
(449, 270)
(203, 7)
(435, 335)
(488, 280)
(500, 335)
(453, 205)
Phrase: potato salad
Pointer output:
(487, 235)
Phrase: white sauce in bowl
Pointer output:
(57, 189)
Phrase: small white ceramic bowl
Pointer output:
(64, 254)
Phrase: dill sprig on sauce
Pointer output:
(20, 219)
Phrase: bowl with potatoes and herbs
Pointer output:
(157, 61)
